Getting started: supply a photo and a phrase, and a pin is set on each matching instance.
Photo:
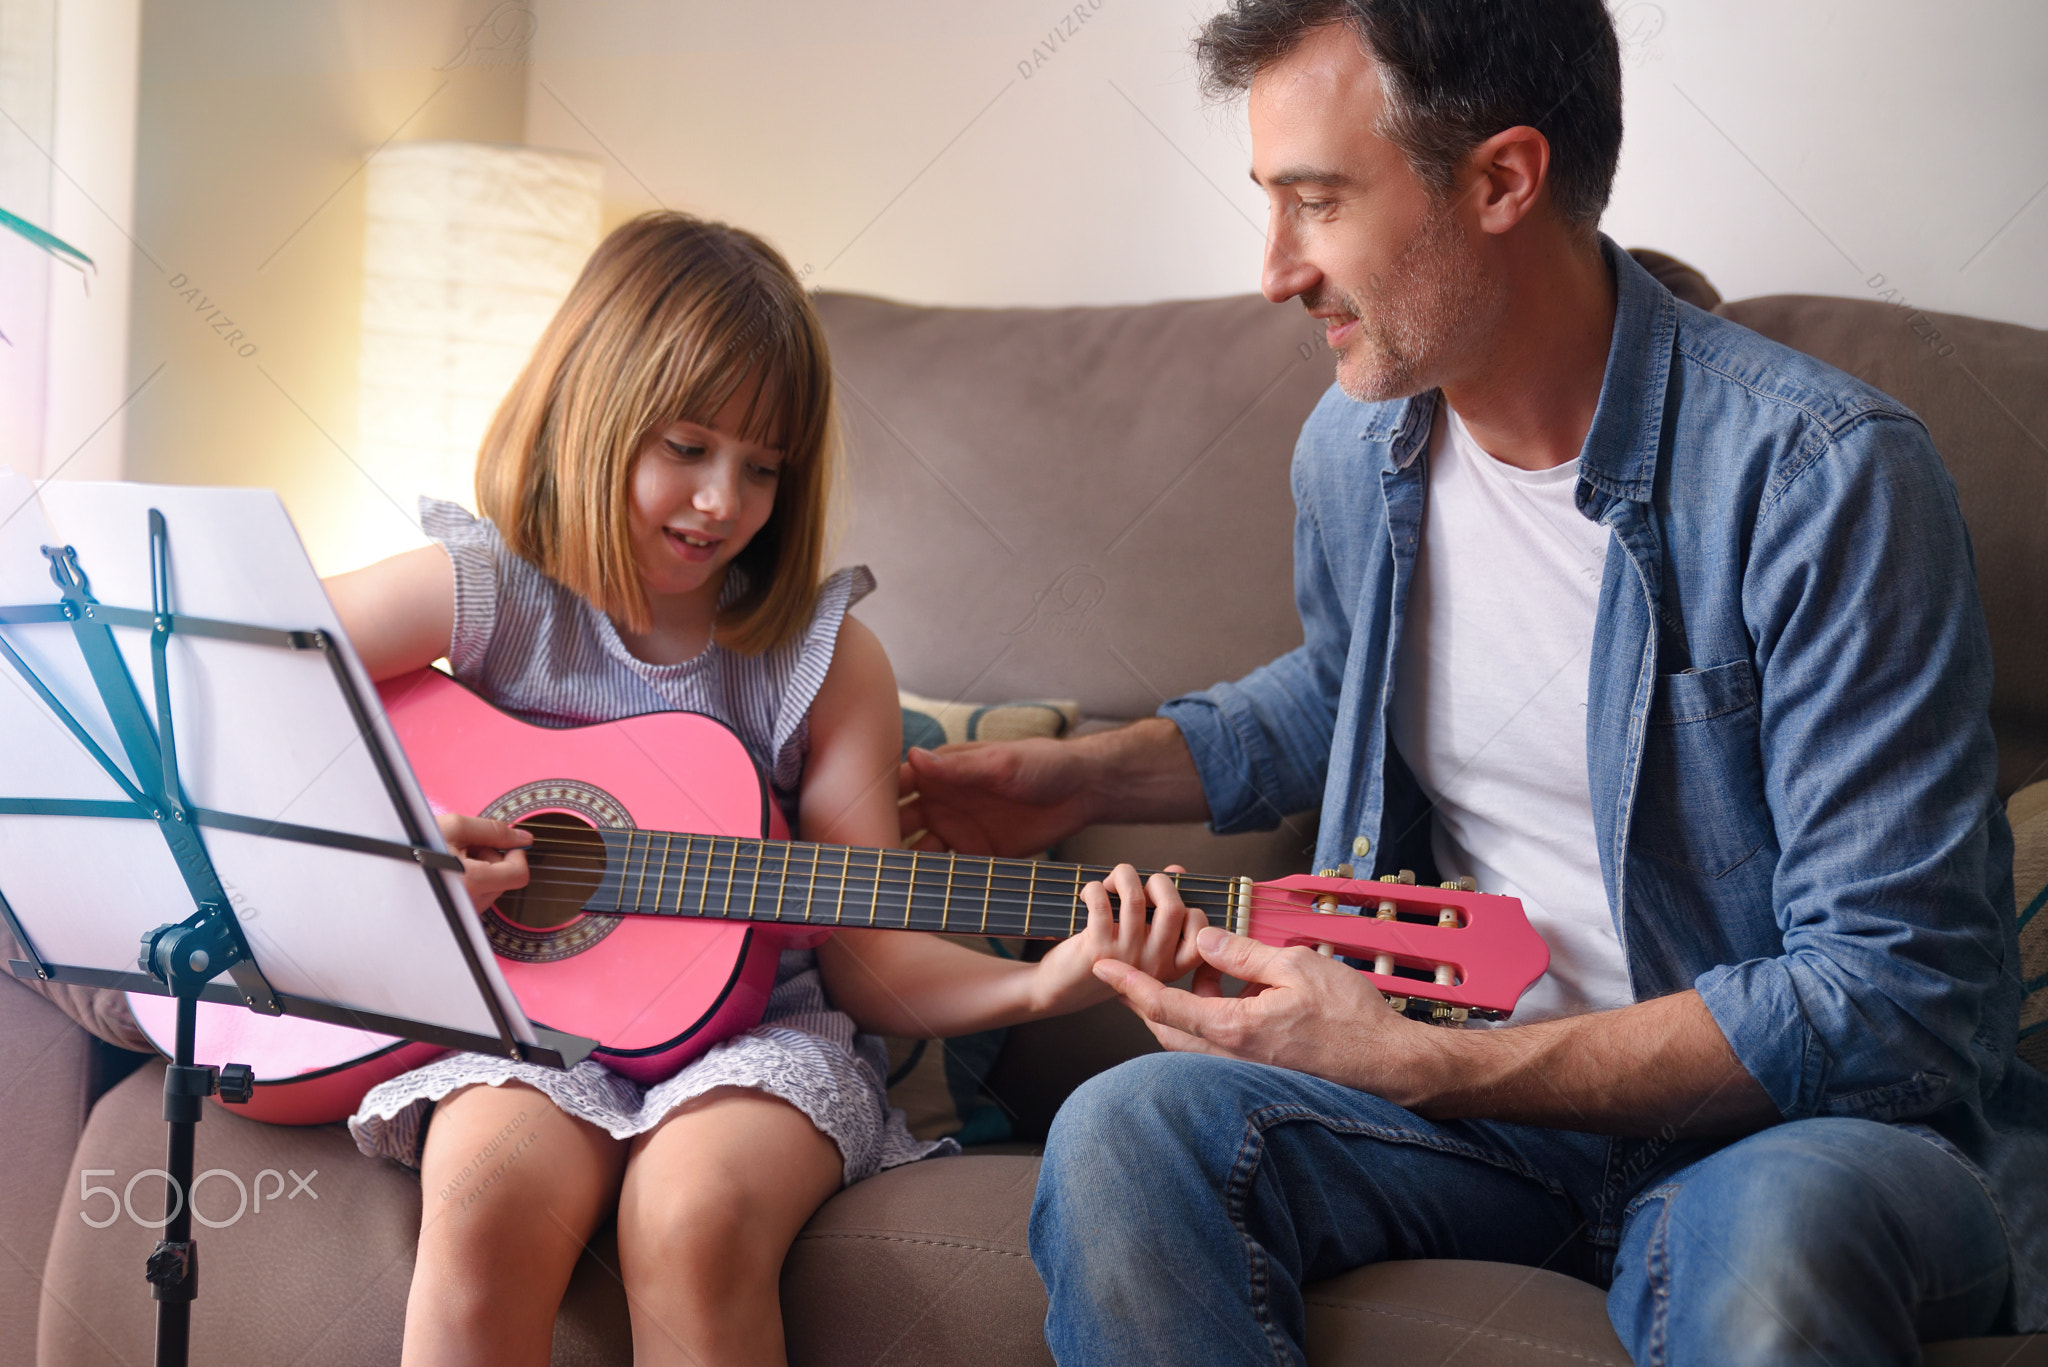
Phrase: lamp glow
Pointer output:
(468, 250)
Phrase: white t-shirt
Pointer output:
(1490, 703)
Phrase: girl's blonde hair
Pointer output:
(672, 317)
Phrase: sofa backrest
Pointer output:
(1093, 503)
(1075, 503)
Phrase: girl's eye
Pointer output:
(684, 451)
(766, 471)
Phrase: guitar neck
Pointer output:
(797, 882)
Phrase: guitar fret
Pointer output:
(1030, 896)
(811, 890)
(846, 872)
(667, 843)
(1074, 910)
(946, 903)
(704, 892)
(782, 883)
(725, 908)
(639, 888)
(910, 890)
(753, 888)
(988, 898)
(683, 877)
(875, 902)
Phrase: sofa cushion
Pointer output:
(316, 1277)
(45, 1082)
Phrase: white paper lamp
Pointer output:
(468, 249)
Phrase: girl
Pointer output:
(654, 493)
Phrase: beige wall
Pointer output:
(255, 122)
(998, 152)
(901, 149)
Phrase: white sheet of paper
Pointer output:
(261, 732)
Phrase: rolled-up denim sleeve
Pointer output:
(1262, 744)
(1879, 767)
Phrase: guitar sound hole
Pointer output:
(565, 863)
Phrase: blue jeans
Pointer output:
(1185, 1200)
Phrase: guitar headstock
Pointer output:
(1441, 954)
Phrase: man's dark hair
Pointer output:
(1455, 73)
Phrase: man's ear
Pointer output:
(1508, 170)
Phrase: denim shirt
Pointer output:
(1787, 736)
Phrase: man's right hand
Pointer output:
(1014, 798)
(1008, 798)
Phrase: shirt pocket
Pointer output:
(1700, 800)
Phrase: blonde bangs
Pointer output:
(671, 319)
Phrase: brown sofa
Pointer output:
(1076, 503)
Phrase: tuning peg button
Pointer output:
(1346, 871)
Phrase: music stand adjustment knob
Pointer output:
(237, 1083)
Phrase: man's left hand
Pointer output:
(1301, 1011)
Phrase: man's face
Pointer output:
(1391, 271)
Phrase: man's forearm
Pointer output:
(1658, 1067)
(1143, 772)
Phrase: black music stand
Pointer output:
(183, 958)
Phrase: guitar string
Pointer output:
(997, 866)
(995, 899)
(575, 854)
(576, 850)
(751, 861)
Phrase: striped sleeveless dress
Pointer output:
(543, 654)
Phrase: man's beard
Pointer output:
(1436, 295)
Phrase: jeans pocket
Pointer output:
(1700, 800)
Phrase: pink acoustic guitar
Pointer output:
(663, 888)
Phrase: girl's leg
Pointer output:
(510, 1189)
(712, 1199)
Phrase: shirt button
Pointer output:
(1361, 847)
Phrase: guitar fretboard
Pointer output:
(658, 873)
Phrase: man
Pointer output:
(1664, 628)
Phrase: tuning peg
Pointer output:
(1443, 976)
(1387, 912)
(1383, 964)
(1326, 873)
(1447, 917)
(1467, 884)
(1346, 871)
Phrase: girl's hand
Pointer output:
(1164, 948)
(493, 855)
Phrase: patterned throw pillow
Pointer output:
(939, 1084)
(928, 724)
(2028, 812)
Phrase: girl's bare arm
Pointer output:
(900, 983)
(399, 613)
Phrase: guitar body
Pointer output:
(655, 991)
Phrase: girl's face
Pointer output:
(699, 494)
